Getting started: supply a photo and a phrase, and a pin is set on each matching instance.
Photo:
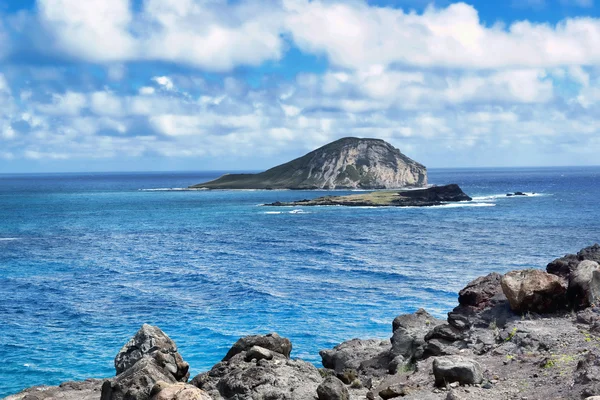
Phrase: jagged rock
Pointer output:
(136, 382)
(584, 284)
(279, 378)
(369, 357)
(456, 369)
(153, 342)
(178, 391)
(481, 303)
(587, 373)
(85, 390)
(564, 265)
(270, 341)
(408, 339)
(480, 292)
(346, 163)
(534, 290)
(444, 339)
(332, 389)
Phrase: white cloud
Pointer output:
(92, 30)
(69, 103)
(356, 35)
(164, 81)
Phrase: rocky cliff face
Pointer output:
(348, 163)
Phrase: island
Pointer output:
(433, 196)
(348, 163)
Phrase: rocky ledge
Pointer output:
(433, 196)
(528, 334)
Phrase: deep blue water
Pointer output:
(85, 259)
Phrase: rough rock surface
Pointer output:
(86, 390)
(332, 389)
(136, 383)
(456, 369)
(347, 163)
(409, 331)
(564, 265)
(240, 377)
(178, 391)
(584, 284)
(356, 357)
(270, 341)
(534, 290)
(153, 342)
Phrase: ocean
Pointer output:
(86, 259)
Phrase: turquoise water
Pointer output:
(85, 259)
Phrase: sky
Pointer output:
(152, 85)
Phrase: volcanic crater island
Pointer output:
(349, 164)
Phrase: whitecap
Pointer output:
(273, 212)
(493, 197)
(298, 211)
(10, 239)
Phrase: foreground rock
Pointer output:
(347, 163)
(240, 376)
(564, 265)
(86, 390)
(456, 369)
(332, 389)
(433, 196)
(271, 341)
(534, 290)
(150, 341)
(148, 358)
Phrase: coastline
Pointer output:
(526, 334)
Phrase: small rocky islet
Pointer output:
(527, 334)
(433, 196)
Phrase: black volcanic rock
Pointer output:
(347, 163)
(432, 196)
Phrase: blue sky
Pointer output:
(106, 85)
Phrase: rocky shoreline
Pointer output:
(432, 196)
(527, 334)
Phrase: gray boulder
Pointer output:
(584, 284)
(332, 389)
(243, 377)
(370, 357)
(456, 369)
(271, 341)
(258, 353)
(565, 265)
(408, 339)
(534, 290)
(178, 391)
(151, 341)
(136, 382)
